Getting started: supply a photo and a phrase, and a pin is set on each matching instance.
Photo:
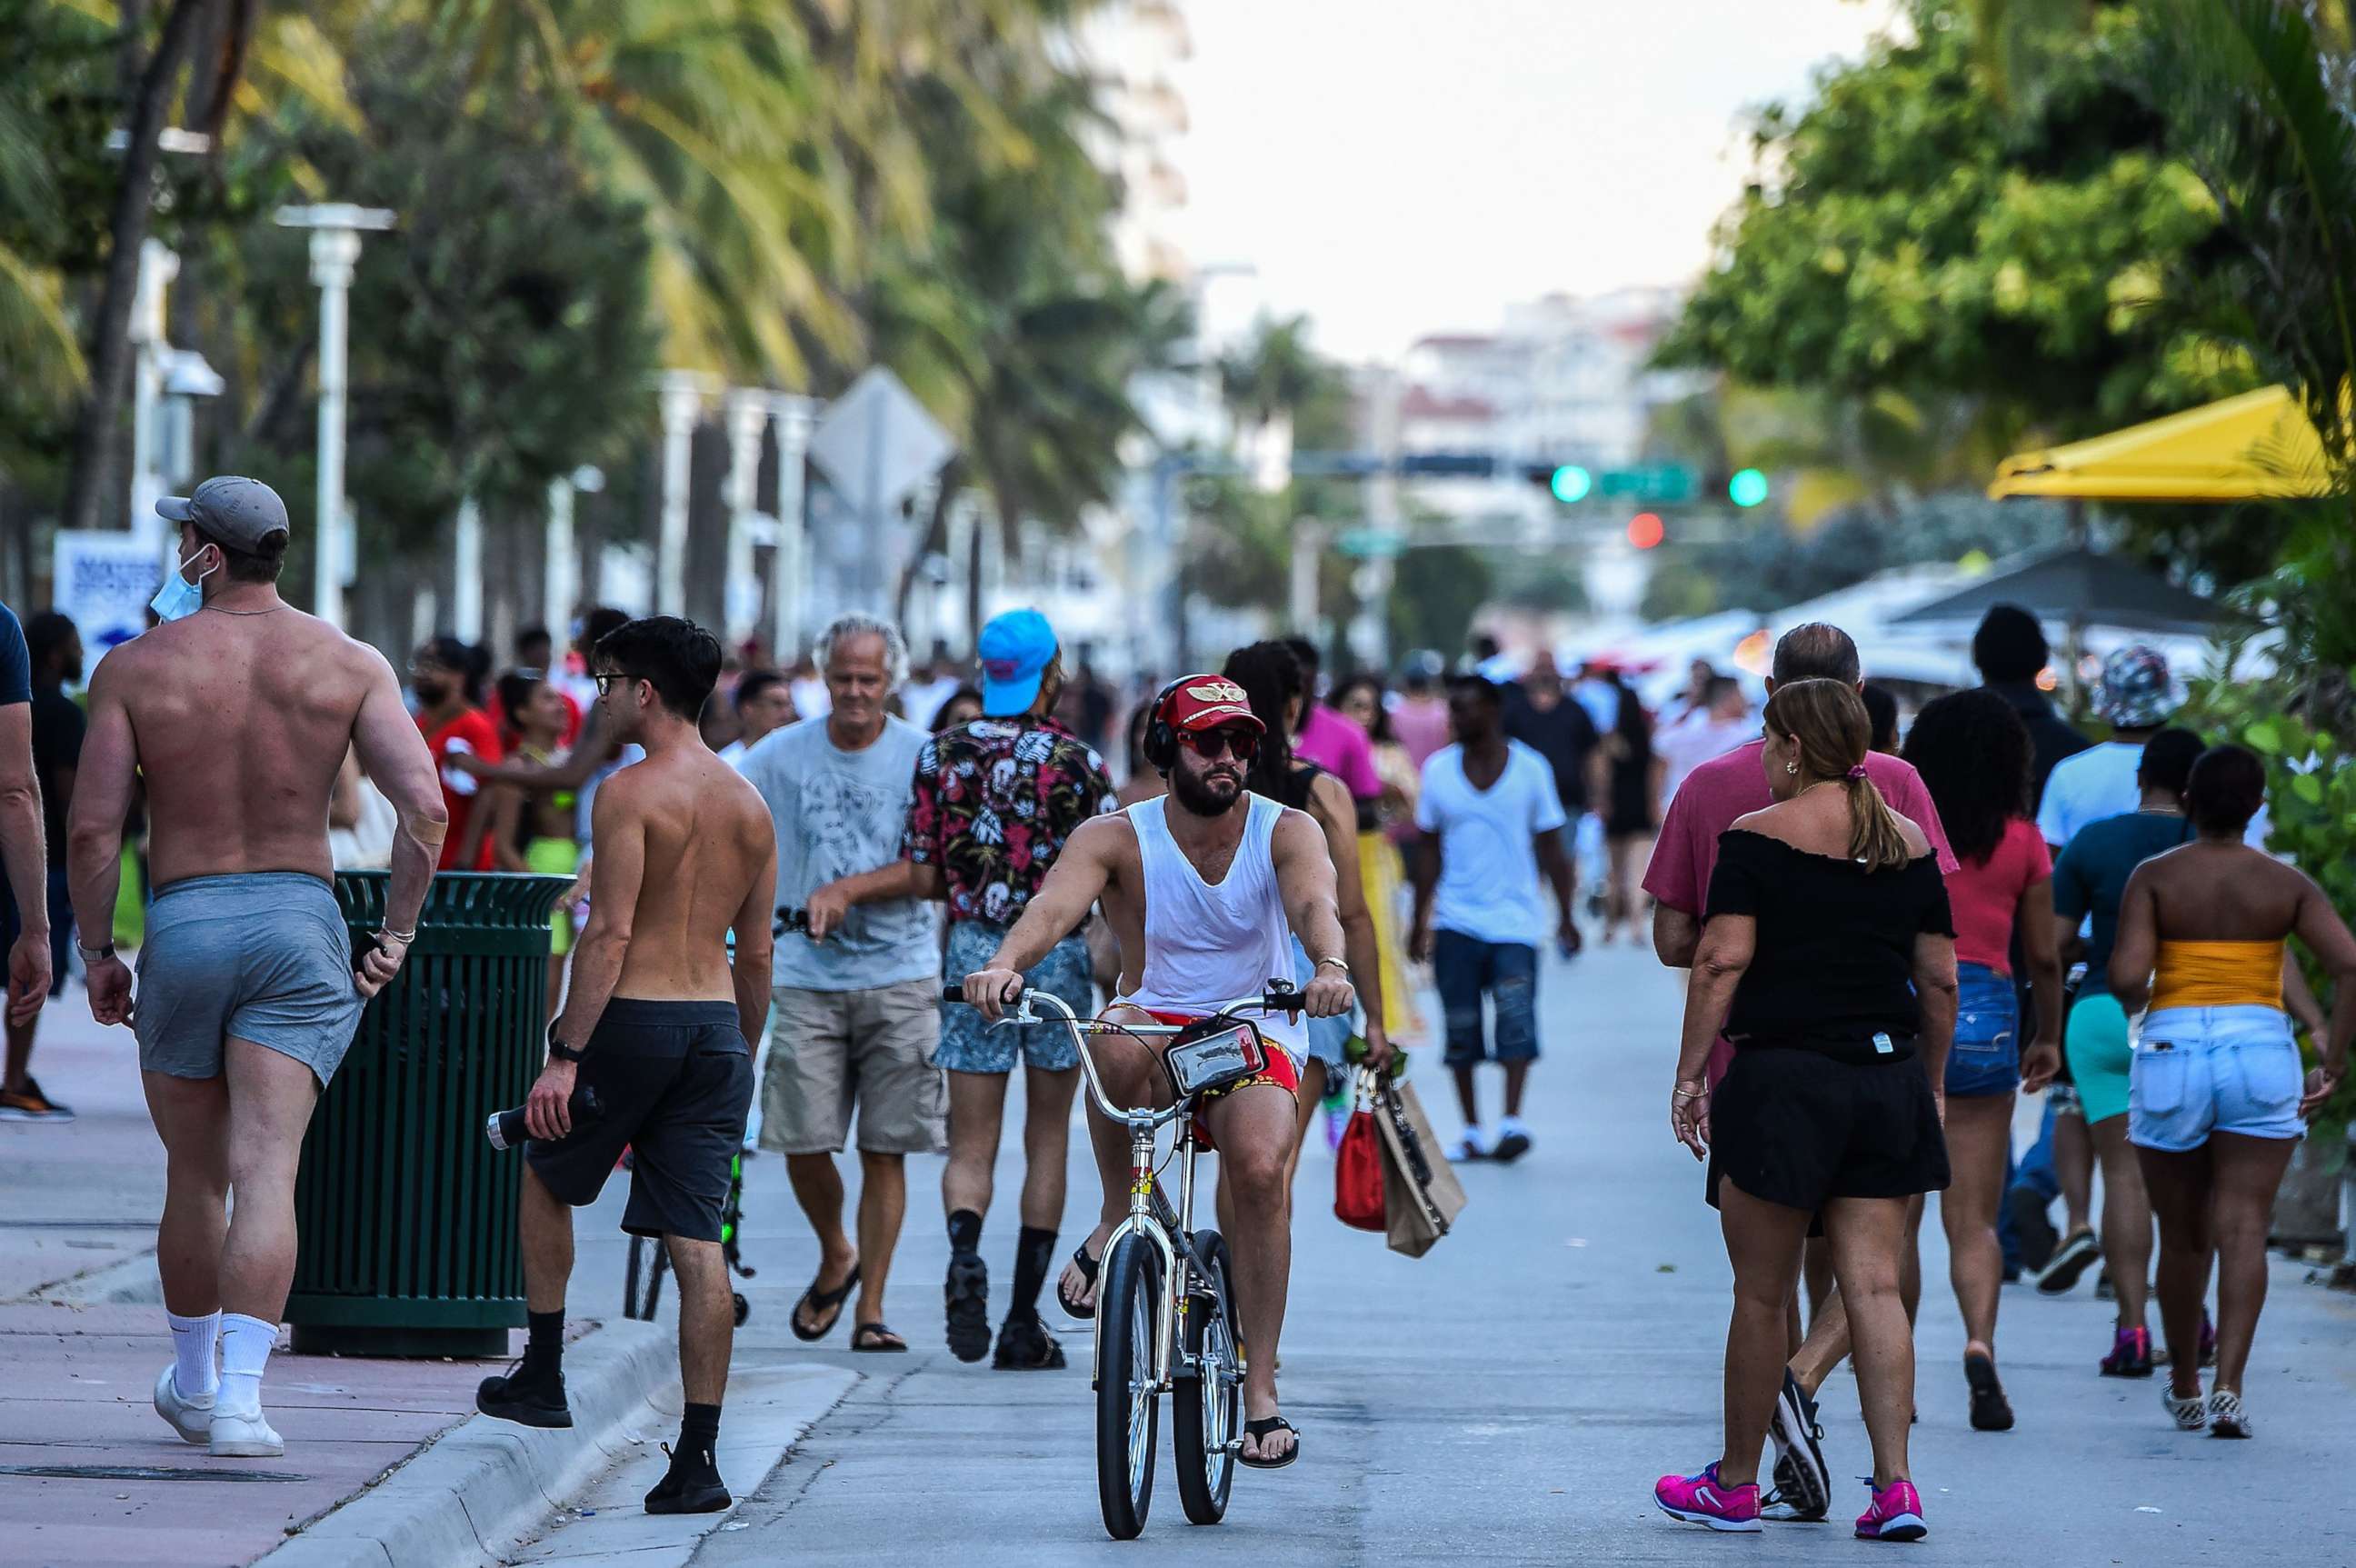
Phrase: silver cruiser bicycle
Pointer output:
(1166, 1319)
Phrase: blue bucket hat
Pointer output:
(1016, 649)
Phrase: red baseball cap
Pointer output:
(1200, 703)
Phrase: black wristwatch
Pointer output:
(559, 1049)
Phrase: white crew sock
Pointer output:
(245, 1350)
(193, 1342)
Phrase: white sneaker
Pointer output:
(236, 1435)
(191, 1418)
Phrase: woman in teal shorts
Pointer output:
(2088, 881)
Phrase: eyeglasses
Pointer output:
(607, 683)
(1213, 744)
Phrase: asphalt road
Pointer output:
(1511, 1397)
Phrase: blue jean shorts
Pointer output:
(2200, 1070)
(1986, 1057)
(970, 1045)
(1467, 969)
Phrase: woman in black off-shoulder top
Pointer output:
(1827, 958)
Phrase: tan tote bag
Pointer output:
(1421, 1197)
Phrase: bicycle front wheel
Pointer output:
(1207, 1408)
(1129, 1406)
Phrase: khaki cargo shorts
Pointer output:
(829, 1050)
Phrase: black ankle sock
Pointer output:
(964, 1231)
(1034, 1255)
(699, 1430)
(544, 1348)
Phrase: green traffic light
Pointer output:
(1571, 483)
(1748, 487)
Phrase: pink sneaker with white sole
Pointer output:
(1896, 1514)
(1700, 1499)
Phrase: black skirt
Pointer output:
(1798, 1127)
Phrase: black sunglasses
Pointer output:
(1213, 744)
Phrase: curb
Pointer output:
(130, 1281)
(474, 1491)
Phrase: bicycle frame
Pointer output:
(1172, 1237)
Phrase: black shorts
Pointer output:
(1798, 1127)
(674, 1083)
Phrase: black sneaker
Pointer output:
(1802, 1482)
(527, 1397)
(1025, 1345)
(2032, 1227)
(2068, 1265)
(967, 1295)
(692, 1485)
(1991, 1412)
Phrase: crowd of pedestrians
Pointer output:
(1893, 925)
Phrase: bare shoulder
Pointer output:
(1768, 820)
(1333, 800)
(1298, 827)
(1918, 842)
(1107, 837)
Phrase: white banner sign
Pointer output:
(102, 582)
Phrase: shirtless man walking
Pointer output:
(1201, 897)
(654, 1029)
(237, 712)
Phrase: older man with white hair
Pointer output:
(856, 995)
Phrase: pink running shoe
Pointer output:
(1896, 1514)
(1699, 1500)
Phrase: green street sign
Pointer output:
(1369, 544)
(1651, 482)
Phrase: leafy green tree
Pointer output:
(1909, 231)
(503, 337)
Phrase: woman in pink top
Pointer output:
(1973, 752)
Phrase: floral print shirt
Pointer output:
(995, 801)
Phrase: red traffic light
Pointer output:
(1645, 529)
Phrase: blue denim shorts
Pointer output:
(1986, 1057)
(1467, 969)
(2200, 1070)
(970, 1045)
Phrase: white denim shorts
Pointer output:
(2200, 1070)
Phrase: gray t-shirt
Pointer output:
(840, 813)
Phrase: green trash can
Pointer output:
(407, 1216)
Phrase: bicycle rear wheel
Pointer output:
(1129, 1406)
(1207, 1409)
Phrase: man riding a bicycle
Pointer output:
(1202, 897)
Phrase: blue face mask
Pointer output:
(178, 599)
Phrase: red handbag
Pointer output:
(1358, 1172)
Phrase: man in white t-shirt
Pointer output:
(1490, 820)
(2135, 697)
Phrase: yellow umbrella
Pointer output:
(2259, 444)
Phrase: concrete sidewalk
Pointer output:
(89, 1473)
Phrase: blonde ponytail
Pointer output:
(1874, 835)
(1828, 721)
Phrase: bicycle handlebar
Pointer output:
(1277, 999)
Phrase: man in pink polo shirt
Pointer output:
(1708, 804)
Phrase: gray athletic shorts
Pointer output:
(261, 956)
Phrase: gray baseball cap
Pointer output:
(240, 513)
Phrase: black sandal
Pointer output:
(1088, 1267)
(819, 1301)
(876, 1336)
(1259, 1430)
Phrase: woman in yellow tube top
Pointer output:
(2216, 1098)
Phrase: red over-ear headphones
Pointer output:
(1159, 744)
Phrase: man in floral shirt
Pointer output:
(994, 802)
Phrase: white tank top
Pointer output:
(1206, 943)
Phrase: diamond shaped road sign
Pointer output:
(876, 444)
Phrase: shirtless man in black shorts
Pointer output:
(656, 1026)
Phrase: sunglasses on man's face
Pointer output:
(1212, 744)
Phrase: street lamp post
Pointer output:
(335, 229)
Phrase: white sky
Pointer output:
(1393, 167)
